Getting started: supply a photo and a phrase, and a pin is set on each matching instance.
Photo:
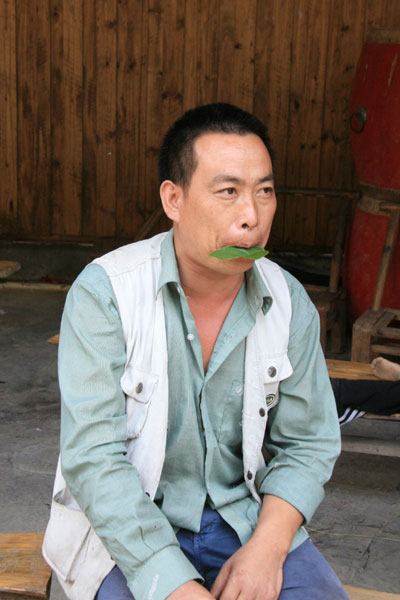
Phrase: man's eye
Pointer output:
(228, 191)
(267, 190)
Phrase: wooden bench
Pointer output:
(24, 574)
(346, 369)
(357, 593)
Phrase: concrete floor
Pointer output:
(357, 527)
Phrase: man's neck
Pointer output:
(210, 298)
(207, 287)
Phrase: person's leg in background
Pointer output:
(355, 397)
(385, 369)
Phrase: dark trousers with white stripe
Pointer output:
(356, 397)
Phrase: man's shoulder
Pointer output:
(96, 276)
(270, 268)
(298, 295)
(303, 310)
(296, 288)
(127, 258)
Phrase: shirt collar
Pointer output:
(258, 295)
(257, 292)
(169, 266)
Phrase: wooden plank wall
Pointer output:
(88, 88)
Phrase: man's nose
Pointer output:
(248, 217)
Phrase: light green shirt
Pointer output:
(205, 409)
(203, 454)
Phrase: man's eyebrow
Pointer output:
(266, 178)
(226, 178)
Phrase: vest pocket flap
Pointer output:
(65, 541)
(138, 387)
(276, 368)
(138, 384)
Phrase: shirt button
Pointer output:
(249, 475)
(239, 389)
(271, 371)
(262, 412)
(190, 337)
(139, 388)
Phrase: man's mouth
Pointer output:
(231, 252)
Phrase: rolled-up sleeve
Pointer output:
(93, 443)
(303, 436)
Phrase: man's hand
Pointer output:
(254, 572)
(250, 574)
(191, 590)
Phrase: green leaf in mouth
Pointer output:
(230, 252)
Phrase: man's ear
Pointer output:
(171, 196)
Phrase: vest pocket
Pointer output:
(138, 387)
(66, 541)
(276, 368)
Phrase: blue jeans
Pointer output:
(306, 574)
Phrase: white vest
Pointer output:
(71, 547)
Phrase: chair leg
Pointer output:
(361, 342)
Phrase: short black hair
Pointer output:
(177, 161)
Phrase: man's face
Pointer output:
(230, 201)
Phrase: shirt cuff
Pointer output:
(282, 480)
(163, 573)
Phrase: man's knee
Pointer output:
(114, 587)
(306, 574)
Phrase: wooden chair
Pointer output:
(24, 574)
(330, 301)
(377, 330)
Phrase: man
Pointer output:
(170, 363)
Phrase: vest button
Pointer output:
(139, 388)
(249, 475)
(271, 371)
(270, 399)
(262, 412)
